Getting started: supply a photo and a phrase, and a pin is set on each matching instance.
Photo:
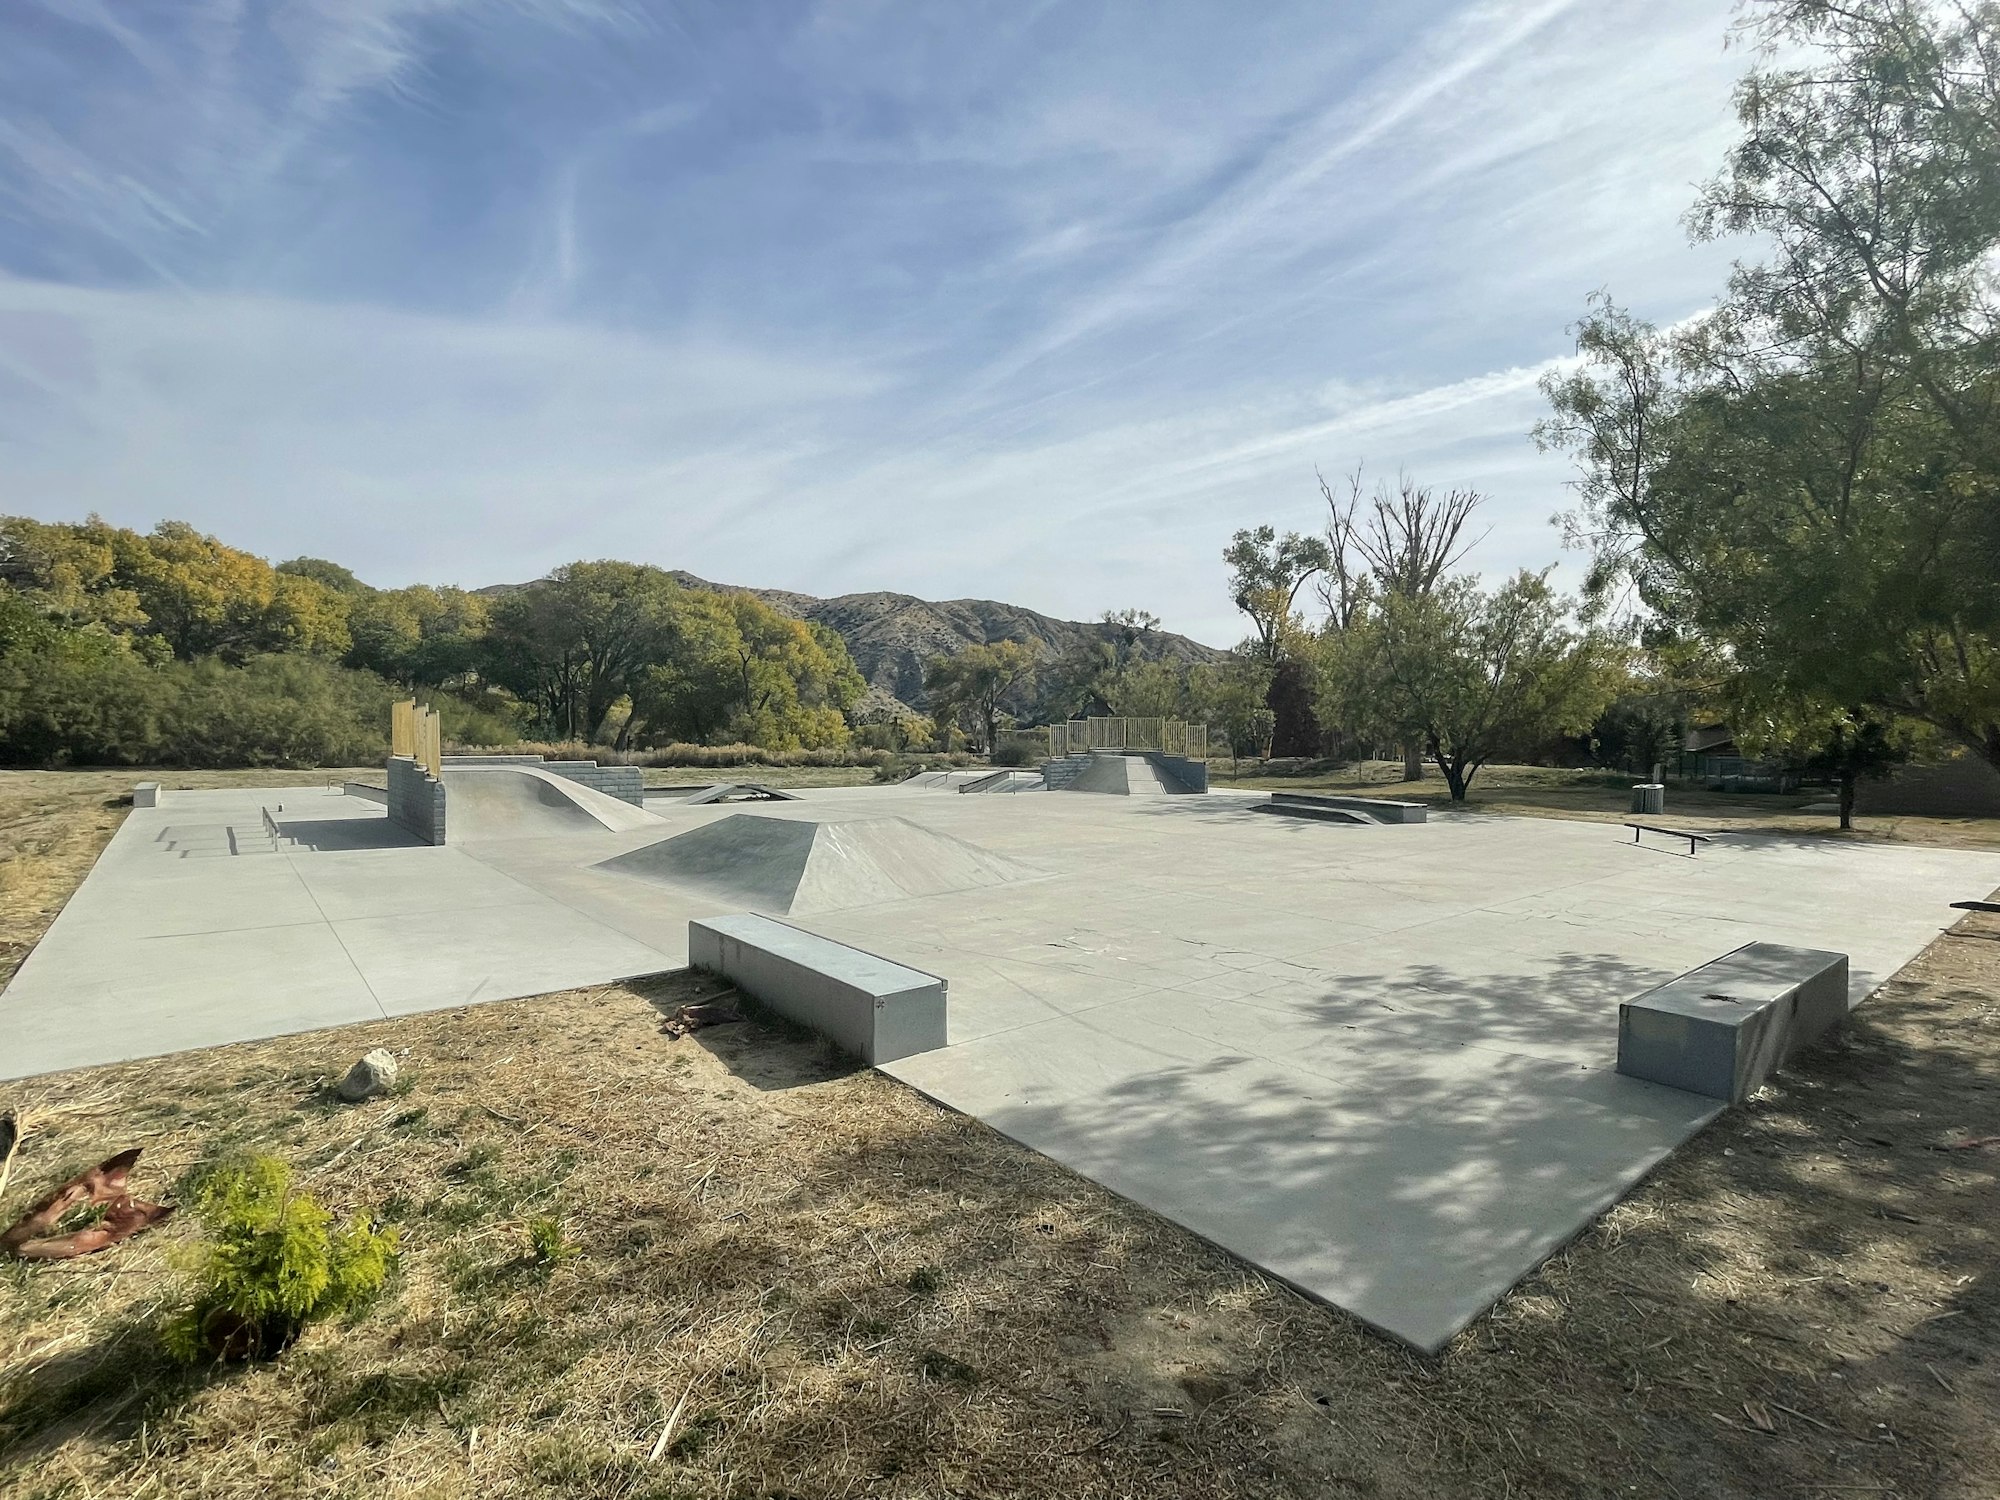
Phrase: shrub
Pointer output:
(549, 1244)
(1020, 750)
(271, 1262)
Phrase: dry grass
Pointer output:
(796, 1279)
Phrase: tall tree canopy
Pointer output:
(1266, 572)
(1809, 477)
(972, 682)
(1466, 674)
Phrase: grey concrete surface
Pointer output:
(867, 1006)
(516, 801)
(195, 928)
(1724, 1028)
(799, 864)
(1378, 1062)
(1375, 809)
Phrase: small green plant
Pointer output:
(271, 1261)
(548, 1245)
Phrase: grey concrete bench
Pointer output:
(146, 794)
(1723, 1028)
(875, 1009)
(1374, 809)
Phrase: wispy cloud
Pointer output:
(1031, 302)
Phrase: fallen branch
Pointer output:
(105, 1184)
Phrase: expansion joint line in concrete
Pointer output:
(347, 953)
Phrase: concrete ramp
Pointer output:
(524, 801)
(1126, 776)
(797, 865)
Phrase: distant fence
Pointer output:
(1167, 736)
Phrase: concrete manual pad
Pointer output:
(1377, 1061)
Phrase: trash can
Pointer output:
(1649, 797)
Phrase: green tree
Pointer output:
(1266, 572)
(419, 636)
(330, 574)
(1467, 674)
(579, 640)
(1810, 477)
(733, 664)
(1404, 542)
(974, 681)
(1232, 700)
(1817, 738)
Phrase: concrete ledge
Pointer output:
(1309, 810)
(1375, 809)
(147, 794)
(877, 1010)
(1722, 1029)
(364, 791)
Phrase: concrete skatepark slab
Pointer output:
(797, 865)
(1376, 1061)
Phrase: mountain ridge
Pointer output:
(891, 635)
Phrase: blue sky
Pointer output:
(1036, 302)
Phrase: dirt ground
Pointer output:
(798, 1279)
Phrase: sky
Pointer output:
(1029, 301)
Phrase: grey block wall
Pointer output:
(416, 800)
(626, 783)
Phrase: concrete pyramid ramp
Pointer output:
(522, 802)
(798, 865)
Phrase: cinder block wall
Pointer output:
(416, 800)
(626, 783)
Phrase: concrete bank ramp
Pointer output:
(1126, 776)
(524, 802)
(798, 865)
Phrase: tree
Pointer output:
(330, 574)
(1810, 477)
(1151, 690)
(575, 642)
(1819, 739)
(974, 681)
(1266, 572)
(1468, 675)
(730, 663)
(1406, 541)
(419, 636)
(1233, 699)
